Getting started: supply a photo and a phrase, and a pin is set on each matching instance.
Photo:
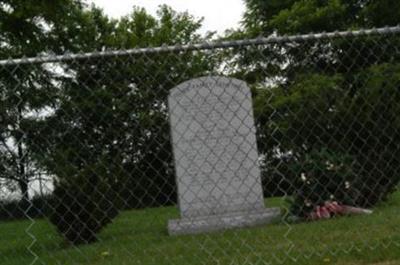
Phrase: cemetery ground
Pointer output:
(140, 237)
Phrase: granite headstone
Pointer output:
(216, 158)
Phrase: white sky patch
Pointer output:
(219, 15)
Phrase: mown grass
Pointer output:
(140, 237)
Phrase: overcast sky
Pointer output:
(219, 15)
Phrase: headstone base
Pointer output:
(222, 222)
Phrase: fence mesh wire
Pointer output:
(267, 151)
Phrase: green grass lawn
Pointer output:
(140, 237)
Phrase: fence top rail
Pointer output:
(201, 46)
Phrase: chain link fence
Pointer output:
(273, 150)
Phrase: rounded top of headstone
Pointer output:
(208, 81)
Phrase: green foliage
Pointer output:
(140, 29)
(285, 61)
(37, 207)
(291, 17)
(110, 120)
(106, 119)
(28, 28)
(300, 117)
(324, 176)
(259, 13)
(308, 16)
(79, 212)
(336, 94)
(319, 112)
(33, 27)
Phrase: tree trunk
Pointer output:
(23, 179)
(23, 186)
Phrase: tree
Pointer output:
(316, 95)
(27, 29)
(107, 140)
(293, 17)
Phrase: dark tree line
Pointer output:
(325, 100)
